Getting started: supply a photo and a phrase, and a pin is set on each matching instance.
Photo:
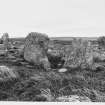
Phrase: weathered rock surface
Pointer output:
(35, 48)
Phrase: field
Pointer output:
(23, 81)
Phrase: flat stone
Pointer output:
(73, 98)
(24, 63)
(11, 57)
(29, 66)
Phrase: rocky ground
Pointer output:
(23, 81)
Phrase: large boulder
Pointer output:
(35, 49)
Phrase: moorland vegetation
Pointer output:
(44, 70)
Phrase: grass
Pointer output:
(30, 83)
(33, 83)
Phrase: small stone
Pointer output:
(29, 66)
(24, 63)
(3, 52)
(62, 70)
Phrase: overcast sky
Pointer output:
(53, 17)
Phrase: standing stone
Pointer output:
(5, 40)
(35, 48)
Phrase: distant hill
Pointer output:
(71, 38)
(60, 38)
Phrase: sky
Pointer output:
(56, 18)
